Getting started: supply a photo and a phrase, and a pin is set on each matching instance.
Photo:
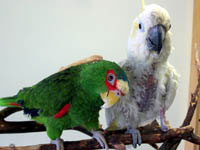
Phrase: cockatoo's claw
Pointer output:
(100, 139)
(137, 140)
(164, 124)
(59, 144)
(164, 128)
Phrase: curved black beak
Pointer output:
(155, 38)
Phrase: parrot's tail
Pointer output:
(10, 101)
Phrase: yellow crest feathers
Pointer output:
(143, 4)
(135, 26)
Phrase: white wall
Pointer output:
(37, 37)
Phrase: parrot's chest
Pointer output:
(143, 90)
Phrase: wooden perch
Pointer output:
(116, 138)
(17, 127)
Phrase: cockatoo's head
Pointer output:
(149, 41)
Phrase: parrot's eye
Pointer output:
(111, 78)
(141, 27)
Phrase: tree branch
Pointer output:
(17, 127)
(116, 138)
(7, 112)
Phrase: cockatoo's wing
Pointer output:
(171, 86)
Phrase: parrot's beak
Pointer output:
(155, 38)
(112, 96)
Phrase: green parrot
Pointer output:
(72, 97)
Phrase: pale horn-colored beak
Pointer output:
(112, 97)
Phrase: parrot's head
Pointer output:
(149, 40)
(106, 80)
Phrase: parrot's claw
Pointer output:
(100, 139)
(136, 136)
(59, 144)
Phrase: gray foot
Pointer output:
(164, 128)
(137, 140)
(164, 125)
(100, 139)
(59, 144)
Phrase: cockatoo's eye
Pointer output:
(141, 26)
(111, 78)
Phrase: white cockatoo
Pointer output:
(153, 81)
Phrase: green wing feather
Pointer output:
(52, 93)
(6, 101)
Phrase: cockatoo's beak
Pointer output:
(155, 38)
(112, 96)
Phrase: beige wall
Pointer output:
(37, 37)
